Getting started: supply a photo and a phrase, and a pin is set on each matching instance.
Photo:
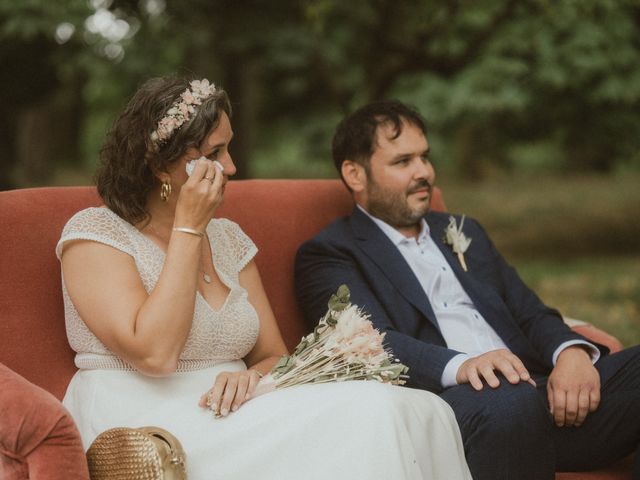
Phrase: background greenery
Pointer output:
(533, 107)
(573, 239)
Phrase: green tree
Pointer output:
(503, 83)
(38, 120)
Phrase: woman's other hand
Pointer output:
(230, 390)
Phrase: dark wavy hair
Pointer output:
(356, 135)
(128, 159)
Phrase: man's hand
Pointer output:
(485, 365)
(573, 388)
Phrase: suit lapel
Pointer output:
(494, 312)
(377, 246)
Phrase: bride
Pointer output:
(167, 313)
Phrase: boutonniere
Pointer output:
(459, 242)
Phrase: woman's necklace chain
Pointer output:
(205, 276)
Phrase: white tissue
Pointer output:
(192, 164)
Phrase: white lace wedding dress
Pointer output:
(349, 430)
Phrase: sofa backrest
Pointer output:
(33, 341)
(277, 214)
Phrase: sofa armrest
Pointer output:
(38, 437)
(594, 334)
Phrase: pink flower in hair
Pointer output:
(181, 110)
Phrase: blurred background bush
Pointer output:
(532, 106)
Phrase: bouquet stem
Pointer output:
(267, 384)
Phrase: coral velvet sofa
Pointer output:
(37, 437)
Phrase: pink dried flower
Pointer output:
(182, 110)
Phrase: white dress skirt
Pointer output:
(348, 430)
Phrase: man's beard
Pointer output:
(393, 208)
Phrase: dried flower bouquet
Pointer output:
(344, 346)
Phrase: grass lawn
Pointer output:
(604, 291)
(574, 240)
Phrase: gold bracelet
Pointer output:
(188, 230)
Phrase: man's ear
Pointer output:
(354, 175)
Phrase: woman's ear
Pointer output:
(163, 177)
(177, 166)
(354, 176)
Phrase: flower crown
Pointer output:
(181, 110)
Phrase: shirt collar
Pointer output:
(394, 235)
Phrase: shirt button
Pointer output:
(444, 269)
(445, 304)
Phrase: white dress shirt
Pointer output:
(462, 326)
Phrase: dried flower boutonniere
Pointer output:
(459, 242)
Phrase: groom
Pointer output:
(530, 395)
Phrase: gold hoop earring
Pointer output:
(165, 191)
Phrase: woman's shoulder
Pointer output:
(98, 224)
(233, 239)
(91, 215)
(224, 226)
(227, 230)
(96, 220)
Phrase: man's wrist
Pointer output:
(578, 350)
(450, 372)
(588, 347)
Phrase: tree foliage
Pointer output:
(502, 83)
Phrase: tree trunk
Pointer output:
(35, 144)
(7, 154)
(240, 73)
(47, 136)
(468, 152)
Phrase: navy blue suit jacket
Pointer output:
(355, 252)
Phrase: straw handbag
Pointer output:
(145, 453)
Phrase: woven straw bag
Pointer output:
(145, 453)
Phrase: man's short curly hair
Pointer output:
(356, 135)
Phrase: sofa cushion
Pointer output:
(38, 438)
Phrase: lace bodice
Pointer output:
(215, 336)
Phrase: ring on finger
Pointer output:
(209, 178)
(210, 399)
(210, 405)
